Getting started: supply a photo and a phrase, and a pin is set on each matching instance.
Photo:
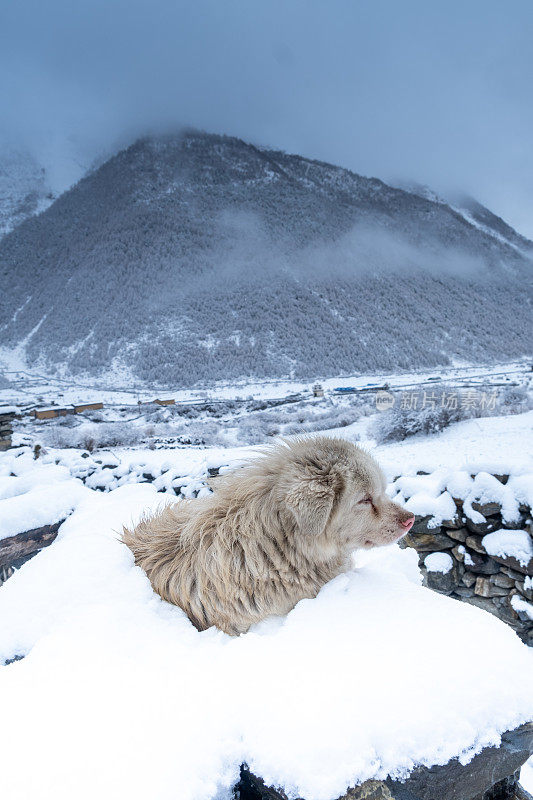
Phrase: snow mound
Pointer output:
(438, 562)
(120, 696)
(33, 494)
(506, 543)
(38, 507)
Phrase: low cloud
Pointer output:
(414, 90)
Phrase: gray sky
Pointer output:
(438, 91)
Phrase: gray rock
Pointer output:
(487, 509)
(512, 573)
(443, 582)
(428, 542)
(468, 579)
(502, 478)
(484, 588)
(452, 524)
(520, 586)
(502, 580)
(482, 565)
(485, 603)
(421, 525)
(515, 524)
(507, 612)
(459, 533)
(463, 591)
(481, 528)
(27, 543)
(515, 565)
(458, 554)
(474, 542)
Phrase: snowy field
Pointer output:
(22, 384)
(373, 677)
(233, 415)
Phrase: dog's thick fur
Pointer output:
(270, 535)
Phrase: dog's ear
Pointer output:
(311, 502)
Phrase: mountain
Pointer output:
(476, 214)
(198, 257)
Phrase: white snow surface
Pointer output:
(505, 543)
(438, 562)
(469, 562)
(496, 445)
(119, 696)
(526, 776)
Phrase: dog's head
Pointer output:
(336, 494)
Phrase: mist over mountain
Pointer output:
(198, 257)
(24, 188)
(475, 213)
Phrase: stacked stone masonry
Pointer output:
(500, 584)
(6, 428)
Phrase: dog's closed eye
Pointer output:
(367, 501)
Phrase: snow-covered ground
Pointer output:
(494, 444)
(120, 696)
(37, 492)
(526, 776)
(374, 676)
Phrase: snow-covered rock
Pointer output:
(509, 544)
(438, 562)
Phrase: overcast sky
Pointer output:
(439, 91)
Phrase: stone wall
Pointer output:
(500, 584)
(7, 415)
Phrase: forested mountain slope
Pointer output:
(197, 257)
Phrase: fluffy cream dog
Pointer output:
(271, 534)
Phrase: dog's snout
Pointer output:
(407, 523)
